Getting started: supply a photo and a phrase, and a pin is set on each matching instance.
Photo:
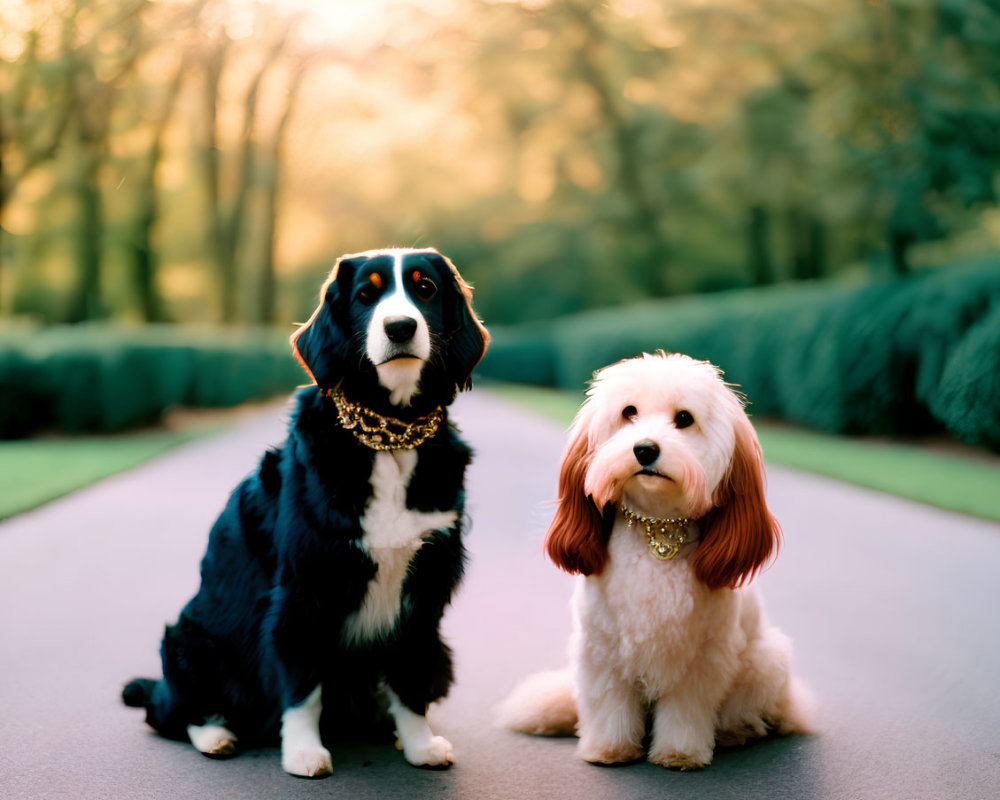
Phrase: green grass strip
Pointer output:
(39, 470)
(946, 480)
(36, 471)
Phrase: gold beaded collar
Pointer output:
(383, 433)
(664, 535)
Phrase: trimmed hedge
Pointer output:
(100, 378)
(969, 390)
(905, 357)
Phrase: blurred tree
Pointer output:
(776, 179)
(94, 87)
(221, 225)
(271, 184)
(759, 258)
(647, 212)
(36, 110)
(146, 212)
(924, 130)
(37, 107)
(228, 209)
(205, 160)
(166, 45)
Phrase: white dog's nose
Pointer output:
(646, 452)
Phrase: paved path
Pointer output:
(893, 607)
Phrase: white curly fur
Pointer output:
(650, 637)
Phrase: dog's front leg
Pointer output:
(684, 720)
(683, 732)
(302, 751)
(612, 719)
(294, 623)
(419, 744)
(420, 668)
(421, 673)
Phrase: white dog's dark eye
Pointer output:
(629, 411)
(370, 291)
(422, 285)
(683, 419)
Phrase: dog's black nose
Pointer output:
(646, 452)
(400, 329)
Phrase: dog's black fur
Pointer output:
(285, 565)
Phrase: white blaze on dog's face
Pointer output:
(398, 340)
(662, 435)
(397, 320)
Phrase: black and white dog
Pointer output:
(328, 572)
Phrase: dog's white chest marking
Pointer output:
(653, 616)
(392, 535)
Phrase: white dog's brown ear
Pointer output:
(739, 535)
(576, 541)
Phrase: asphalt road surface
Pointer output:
(893, 606)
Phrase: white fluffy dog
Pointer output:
(661, 508)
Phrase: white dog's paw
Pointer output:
(307, 762)
(436, 752)
(605, 753)
(215, 741)
(683, 761)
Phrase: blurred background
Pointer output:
(797, 185)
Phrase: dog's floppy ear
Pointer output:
(577, 538)
(466, 338)
(739, 535)
(321, 345)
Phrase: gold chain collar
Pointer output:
(663, 535)
(383, 433)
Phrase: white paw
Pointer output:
(213, 740)
(608, 753)
(437, 752)
(307, 762)
(680, 761)
(675, 758)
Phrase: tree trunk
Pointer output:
(272, 185)
(817, 247)
(900, 242)
(759, 247)
(807, 238)
(646, 216)
(228, 224)
(143, 254)
(210, 170)
(144, 258)
(88, 232)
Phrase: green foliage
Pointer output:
(527, 352)
(156, 154)
(907, 356)
(108, 378)
(967, 394)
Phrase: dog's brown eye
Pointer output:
(370, 291)
(683, 419)
(629, 411)
(422, 285)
